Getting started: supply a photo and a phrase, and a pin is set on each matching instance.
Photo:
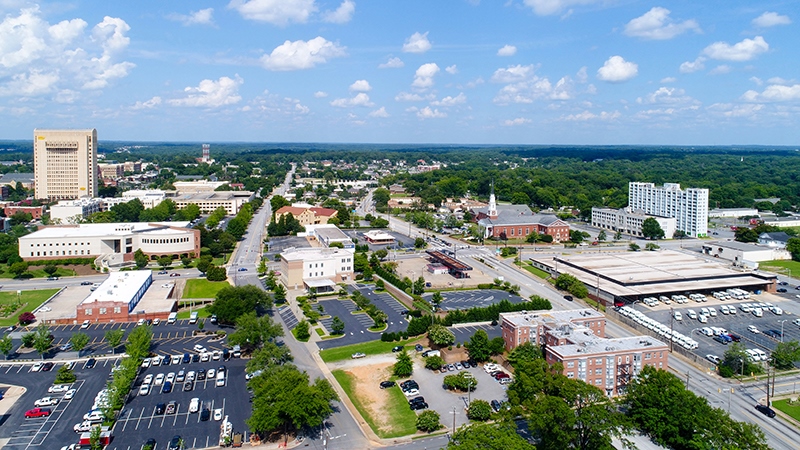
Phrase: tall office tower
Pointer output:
(206, 152)
(65, 163)
(689, 207)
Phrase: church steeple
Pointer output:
(492, 213)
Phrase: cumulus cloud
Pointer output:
(745, 50)
(201, 17)
(37, 58)
(731, 110)
(516, 122)
(276, 12)
(582, 76)
(771, 19)
(212, 94)
(720, 69)
(656, 24)
(507, 50)
(417, 43)
(360, 86)
(342, 14)
(412, 97)
(779, 80)
(299, 55)
(512, 74)
(423, 78)
(667, 96)
(451, 101)
(380, 112)
(428, 113)
(587, 115)
(392, 63)
(148, 104)
(669, 80)
(320, 94)
(452, 70)
(550, 7)
(617, 70)
(535, 88)
(360, 99)
(774, 93)
(693, 66)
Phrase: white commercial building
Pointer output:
(629, 222)
(733, 212)
(119, 240)
(232, 201)
(738, 252)
(328, 234)
(320, 268)
(193, 187)
(65, 163)
(73, 211)
(688, 206)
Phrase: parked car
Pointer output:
(358, 355)
(85, 324)
(83, 427)
(713, 358)
(70, 394)
(86, 283)
(387, 384)
(194, 405)
(160, 408)
(495, 405)
(174, 443)
(46, 401)
(398, 348)
(172, 407)
(144, 389)
(166, 388)
(218, 414)
(37, 412)
(90, 363)
(47, 366)
(159, 380)
(58, 388)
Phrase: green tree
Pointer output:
(651, 229)
(463, 381)
(42, 339)
(525, 352)
(18, 268)
(436, 299)
(65, 376)
(440, 335)
(79, 341)
(793, 247)
(94, 439)
(302, 330)
(237, 227)
(6, 345)
(478, 346)
(618, 235)
(203, 264)
(533, 238)
(262, 267)
(140, 258)
(651, 246)
(434, 362)
(50, 269)
(634, 247)
(277, 202)
(501, 436)
(114, 338)
(403, 367)
(744, 234)
(479, 410)
(419, 286)
(251, 331)
(429, 421)
(601, 236)
(420, 243)
(785, 355)
(27, 340)
(139, 341)
(215, 273)
(337, 326)
(736, 361)
(164, 262)
(279, 293)
(186, 262)
(497, 346)
(381, 197)
(381, 253)
(576, 236)
(234, 301)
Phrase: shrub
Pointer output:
(26, 318)
(434, 362)
(479, 410)
(463, 381)
(65, 376)
(428, 421)
(403, 367)
(27, 340)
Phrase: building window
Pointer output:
(102, 310)
(570, 374)
(117, 310)
(571, 364)
(88, 311)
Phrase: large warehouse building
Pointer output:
(618, 278)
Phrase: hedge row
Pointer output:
(492, 312)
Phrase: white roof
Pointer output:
(301, 254)
(106, 229)
(119, 287)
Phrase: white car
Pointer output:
(144, 390)
(216, 355)
(83, 427)
(70, 394)
(713, 358)
(156, 321)
(85, 324)
(148, 379)
(170, 377)
(678, 316)
(159, 379)
(145, 363)
(58, 388)
(156, 361)
(46, 401)
(37, 366)
(205, 357)
(211, 374)
(194, 405)
(199, 348)
(752, 329)
(411, 392)
(218, 414)
(94, 416)
(190, 375)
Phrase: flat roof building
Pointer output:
(65, 163)
(328, 234)
(127, 297)
(738, 252)
(232, 201)
(733, 212)
(629, 222)
(378, 237)
(688, 206)
(73, 211)
(319, 268)
(193, 187)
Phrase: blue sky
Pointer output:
(411, 71)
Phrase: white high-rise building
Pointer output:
(65, 163)
(688, 206)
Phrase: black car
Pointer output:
(783, 283)
(408, 383)
(418, 404)
(160, 408)
(186, 358)
(398, 348)
(226, 355)
(90, 363)
(47, 366)
(149, 444)
(201, 374)
(166, 388)
(495, 405)
(175, 443)
(418, 399)
(465, 364)
(568, 298)
(166, 361)
(765, 410)
(387, 384)
(781, 289)
(86, 283)
(205, 414)
(195, 358)
(188, 386)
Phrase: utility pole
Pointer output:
(687, 381)
(671, 328)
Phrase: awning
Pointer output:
(319, 282)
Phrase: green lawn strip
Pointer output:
(201, 313)
(202, 288)
(782, 266)
(319, 331)
(367, 348)
(379, 329)
(792, 411)
(400, 416)
(29, 299)
(538, 272)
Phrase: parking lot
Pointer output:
(470, 299)
(463, 333)
(288, 317)
(356, 325)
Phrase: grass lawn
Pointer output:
(202, 288)
(39, 273)
(402, 418)
(201, 313)
(30, 301)
(791, 410)
(538, 272)
(367, 348)
(787, 267)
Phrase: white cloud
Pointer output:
(411, 97)
(148, 104)
(616, 70)
(720, 69)
(587, 115)
(342, 14)
(417, 43)
(669, 80)
(380, 112)
(656, 24)
(452, 70)
(301, 109)
(581, 76)
(516, 122)
(693, 66)
(774, 93)
(771, 19)
(428, 113)
(535, 88)
(741, 51)
(423, 78)
(201, 17)
(550, 7)
(731, 110)
(361, 86)
(37, 58)
(392, 63)
(512, 74)
(276, 12)
(212, 94)
(360, 99)
(507, 50)
(299, 55)
(756, 80)
(320, 94)
(667, 96)
(779, 80)
(451, 101)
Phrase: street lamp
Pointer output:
(782, 322)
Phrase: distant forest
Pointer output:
(541, 176)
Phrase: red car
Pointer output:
(37, 412)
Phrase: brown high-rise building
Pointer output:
(65, 163)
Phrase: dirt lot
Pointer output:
(366, 379)
(415, 267)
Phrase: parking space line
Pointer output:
(139, 420)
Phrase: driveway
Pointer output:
(475, 298)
